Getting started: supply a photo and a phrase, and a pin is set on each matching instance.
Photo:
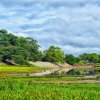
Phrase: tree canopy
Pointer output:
(71, 59)
(21, 50)
(54, 54)
(93, 57)
(15, 48)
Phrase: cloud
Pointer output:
(73, 25)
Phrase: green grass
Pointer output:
(44, 79)
(32, 88)
(97, 66)
(30, 91)
(19, 69)
(37, 79)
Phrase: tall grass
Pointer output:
(30, 91)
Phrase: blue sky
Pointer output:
(73, 25)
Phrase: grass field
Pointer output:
(97, 66)
(19, 69)
(44, 79)
(40, 88)
(32, 88)
(38, 79)
(30, 91)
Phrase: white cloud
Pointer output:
(76, 29)
(21, 34)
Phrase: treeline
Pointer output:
(21, 50)
(83, 58)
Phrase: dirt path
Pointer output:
(71, 82)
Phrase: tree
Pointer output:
(94, 58)
(54, 54)
(70, 59)
(19, 60)
(13, 47)
(84, 57)
(90, 58)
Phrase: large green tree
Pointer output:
(54, 54)
(71, 59)
(15, 48)
(94, 57)
(84, 57)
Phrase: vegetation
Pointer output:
(71, 59)
(31, 91)
(54, 54)
(20, 50)
(38, 79)
(44, 79)
(80, 72)
(90, 58)
(19, 69)
(83, 58)
(97, 66)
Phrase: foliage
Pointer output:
(70, 59)
(93, 57)
(29, 91)
(54, 54)
(19, 60)
(18, 49)
(78, 72)
(21, 50)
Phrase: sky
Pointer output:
(73, 25)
